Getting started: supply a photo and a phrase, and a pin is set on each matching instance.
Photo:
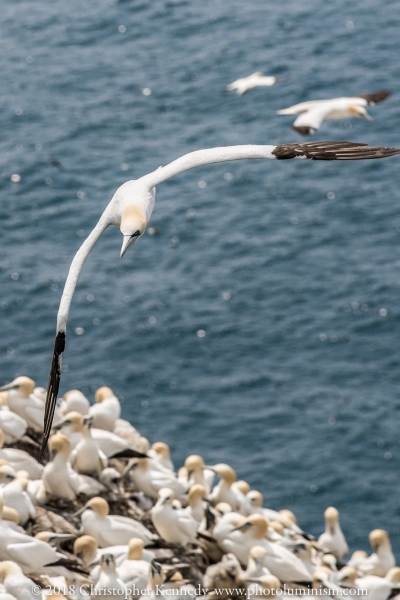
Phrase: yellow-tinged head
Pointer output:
(256, 524)
(196, 492)
(8, 567)
(194, 462)
(242, 486)
(161, 449)
(104, 393)
(256, 498)
(331, 516)
(359, 112)
(225, 472)
(25, 385)
(73, 420)
(85, 547)
(99, 506)
(133, 225)
(135, 549)
(379, 538)
(59, 444)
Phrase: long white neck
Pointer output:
(75, 271)
(206, 157)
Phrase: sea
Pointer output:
(257, 322)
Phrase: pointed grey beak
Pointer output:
(244, 525)
(368, 117)
(80, 511)
(128, 241)
(9, 386)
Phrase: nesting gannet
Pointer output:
(333, 540)
(224, 577)
(9, 517)
(266, 586)
(356, 558)
(378, 588)
(12, 425)
(109, 585)
(306, 553)
(58, 479)
(21, 400)
(87, 549)
(321, 581)
(256, 501)
(150, 480)
(86, 458)
(110, 530)
(33, 555)
(175, 526)
(75, 401)
(20, 460)
(134, 571)
(313, 113)
(196, 472)
(15, 582)
(382, 559)
(14, 494)
(257, 79)
(195, 508)
(132, 205)
(279, 560)
(107, 409)
(223, 491)
(108, 443)
(161, 452)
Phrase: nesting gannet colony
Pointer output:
(313, 113)
(130, 209)
(83, 524)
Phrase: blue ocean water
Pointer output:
(291, 269)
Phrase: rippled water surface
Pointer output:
(291, 269)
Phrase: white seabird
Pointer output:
(74, 400)
(382, 558)
(111, 530)
(14, 494)
(107, 409)
(378, 588)
(20, 460)
(12, 425)
(176, 526)
(16, 583)
(23, 402)
(244, 84)
(109, 585)
(132, 205)
(333, 540)
(313, 113)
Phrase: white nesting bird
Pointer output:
(224, 491)
(13, 426)
(134, 570)
(382, 558)
(196, 472)
(244, 84)
(175, 526)
(378, 588)
(111, 530)
(15, 582)
(196, 497)
(9, 517)
(58, 479)
(160, 451)
(20, 460)
(86, 458)
(313, 113)
(151, 480)
(109, 584)
(74, 401)
(23, 402)
(107, 409)
(256, 500)
(132, 205)
(14, 494)
(333, 540)
(279, 560)
(33, 555)
(108, 442)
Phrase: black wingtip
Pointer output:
(376, 97)
(332, 151)
(52, 390)
(129, 453)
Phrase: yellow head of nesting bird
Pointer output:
(104, 393)
(25, 385)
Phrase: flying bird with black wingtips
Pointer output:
(132, 205)
(313, 113)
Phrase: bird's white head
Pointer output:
(133, 225)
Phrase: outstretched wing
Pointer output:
(375, 97)
(52, 390)
(310, 120)
(332, 151)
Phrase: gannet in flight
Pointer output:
(244, 84)
(313, 113)
(132, 205)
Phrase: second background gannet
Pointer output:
(132, 205)
(333, 540)
(244, 84)
(313, 113)
(107, 409)
(176, 526)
